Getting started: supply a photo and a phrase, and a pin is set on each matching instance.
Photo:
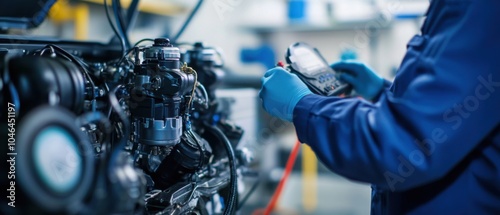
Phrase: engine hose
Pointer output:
(233, 192)
(115, 104)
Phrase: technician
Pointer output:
(429, 143)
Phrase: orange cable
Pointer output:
(284, 178)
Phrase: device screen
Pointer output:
(309, 61)
(314, 70)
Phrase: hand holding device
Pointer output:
(308, 64)
(364, 80)
(281, 91)
(308, 72)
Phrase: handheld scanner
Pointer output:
(307, 63)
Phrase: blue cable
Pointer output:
(188, 20)
(120, 23)
(122, 41)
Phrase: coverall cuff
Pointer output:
(301, 115)
(387, 84)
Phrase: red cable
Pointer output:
(284, 178)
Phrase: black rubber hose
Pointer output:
(122, 40)
(233, 182)
(115, 104)
(131, 14)
(119, 15)
(120, 21)
(247, 196)
(143, 40)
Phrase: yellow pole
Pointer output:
(61, 11)
(309, 179)
(81, 21)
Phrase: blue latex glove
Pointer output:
(364, 80)
(280, 92)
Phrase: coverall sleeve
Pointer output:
(415, 137)
(387, 85)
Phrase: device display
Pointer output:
(308, 64)
(311, 62)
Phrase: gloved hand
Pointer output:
(363, 79)
(280, 92)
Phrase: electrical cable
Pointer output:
(189, 70)
(125, 56)
(249, 193)
(143, 40)
(122, 41)
(45, 48)
(233, 186)
(120, 21)
(205, 94)
(119, 15)
(133, 48)
(188, 20)
(75, 60)
(284, 178)
(131, 14)
(115, 104)
(190, 133)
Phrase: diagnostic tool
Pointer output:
(307, 63)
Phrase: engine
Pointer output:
(138, 134)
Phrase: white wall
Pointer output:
(222, 23)
(214, 26)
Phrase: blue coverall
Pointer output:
(430, 143)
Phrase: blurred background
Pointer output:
(254, 35)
